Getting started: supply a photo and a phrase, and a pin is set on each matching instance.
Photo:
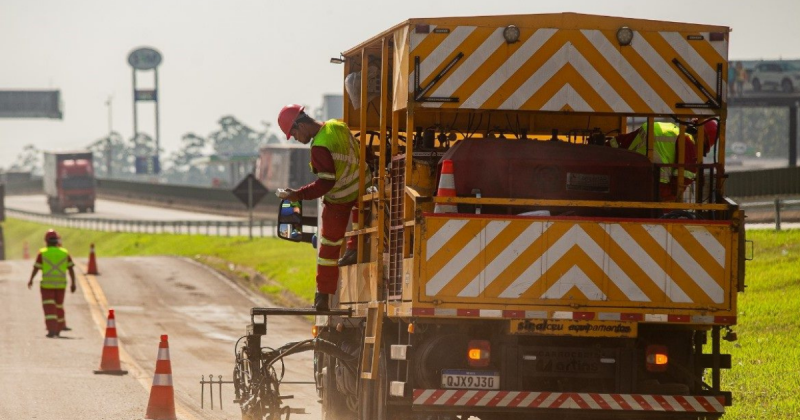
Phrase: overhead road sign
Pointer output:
(30, 104)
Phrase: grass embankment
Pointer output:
(765, 379)
(290, 266)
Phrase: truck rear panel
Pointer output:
(631, 266)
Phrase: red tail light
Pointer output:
(479, 353)
(657, 358)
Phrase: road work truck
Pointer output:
(541, 236)
(69, 181)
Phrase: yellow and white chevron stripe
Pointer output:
(515, 260)
(580, 70)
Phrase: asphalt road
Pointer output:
(106, 209)
(202, 313)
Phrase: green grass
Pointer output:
(291, 266)
(765, 379)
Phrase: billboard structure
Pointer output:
(764, 78)
(31, 104)
(763, 103)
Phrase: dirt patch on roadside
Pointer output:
(253, 280)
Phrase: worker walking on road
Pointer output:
(54, 261)
(335, 160)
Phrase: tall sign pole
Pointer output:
(250, 205)
(143, 59)
(109, 151)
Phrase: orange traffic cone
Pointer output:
(162, 396)
(25, 254)
(447, 188)
(92, 262)
(109, 362)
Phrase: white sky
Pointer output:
(248, 58)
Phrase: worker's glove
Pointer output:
(287, 194)
(72, 288)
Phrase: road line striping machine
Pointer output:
(515, 262)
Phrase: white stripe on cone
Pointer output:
(162, 379)
(110, 342)
(163, 354)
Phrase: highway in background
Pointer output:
(202, 313)
(106, 209)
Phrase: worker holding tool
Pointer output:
(335, 160)
(54, 261)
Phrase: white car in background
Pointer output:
(781, 75)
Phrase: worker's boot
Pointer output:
(349, 257)
(321, 301)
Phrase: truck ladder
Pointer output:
(372, 340)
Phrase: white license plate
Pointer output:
(470, 379)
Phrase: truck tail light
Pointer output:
(479, 353)
(657, 358)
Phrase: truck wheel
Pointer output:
(334, 403)
(375, 395)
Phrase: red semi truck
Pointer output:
(69, 181)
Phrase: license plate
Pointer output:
(470, 379)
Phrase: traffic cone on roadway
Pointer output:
(25, 254)
(162, 395)
(92, 262)
(447, 188)
(109, 362)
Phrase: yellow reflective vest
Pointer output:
(345, 150)
(55, 263)
(666, 136)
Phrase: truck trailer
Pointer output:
(69, 181)
(513, 261)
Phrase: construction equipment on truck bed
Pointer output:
(552, 280)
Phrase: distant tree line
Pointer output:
(191, 164)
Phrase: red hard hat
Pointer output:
(287, 116)
(710, 127)
(51, 236)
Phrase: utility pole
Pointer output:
(109, 152)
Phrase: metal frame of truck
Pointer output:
(414, 290)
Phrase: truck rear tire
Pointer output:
(334, 403)
(376, 392)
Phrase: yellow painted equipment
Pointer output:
(567, 294)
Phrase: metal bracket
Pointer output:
(714, 101)
(419, 92)
(211, 382)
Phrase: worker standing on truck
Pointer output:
(335, 160)
(665, 151)
(54, 261)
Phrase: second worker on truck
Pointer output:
(335, 160)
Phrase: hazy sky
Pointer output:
(248, 58)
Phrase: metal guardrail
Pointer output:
(764, 182)
(778, 204)
(261, 227)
